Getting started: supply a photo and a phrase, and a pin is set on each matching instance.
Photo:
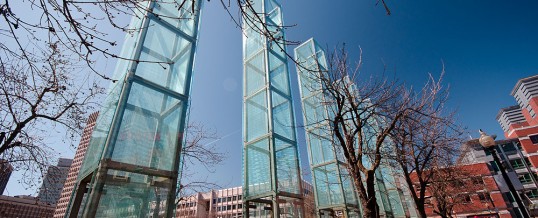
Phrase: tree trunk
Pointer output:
(369, 205)
(421, 210)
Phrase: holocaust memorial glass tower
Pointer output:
(333, 188)
(271, 174)
(132, 164)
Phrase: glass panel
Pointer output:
(100, 131)
(328, 187)
(165, 58)
(258, 167)
(181, 18)
(253, 44)
(149, 130)
(127, 194)
(287, 169)
(348, 186)
(256, 110)
(282, 116)
(278, 71)
(255, 74)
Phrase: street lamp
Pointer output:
(488, 143)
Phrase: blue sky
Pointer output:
(486, 46)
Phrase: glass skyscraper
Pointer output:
(271, 166)
(132, 164)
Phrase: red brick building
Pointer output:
(24, 207)
(65, 196)
(474, 194)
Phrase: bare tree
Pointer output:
(200, 150)
(425, 141)
(365, 115)
(36, 102)
(453, 188)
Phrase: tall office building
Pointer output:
(132, 162)
(65, 196)
(53, 181)
(5, 172)
(271, 173)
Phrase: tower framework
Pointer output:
(132, 164)
(272, 179)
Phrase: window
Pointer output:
(525, 178)
(484, 197)
(509, 147)
(517, 163)
(466, 198)
(214, 200)
(534, 139)
(532, 194)
(235, 198)
(477, 181)
(233, 207)
(240, 197)
(428, 202)
(220, 200)
(229, 207)
(240, 206)
(229, 198)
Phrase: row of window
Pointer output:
(227, 199)
(229, 207)
(515, 163)
(527, 178)
(188, 204)
(466, 198)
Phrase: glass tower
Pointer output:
(132, 164)
(333, 187)
(272, 179)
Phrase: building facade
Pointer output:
(519, 151)
(228, 203)
(53, 182)
(516, 163)
(5, 172)
(476, 193)
(69, 184)
(24, 207)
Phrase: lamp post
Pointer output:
(488, 143)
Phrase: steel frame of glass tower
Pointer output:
(333, 187)
(132, 165)
(271, 174)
